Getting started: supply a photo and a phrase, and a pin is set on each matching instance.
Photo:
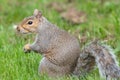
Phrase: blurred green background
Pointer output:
(102, 21)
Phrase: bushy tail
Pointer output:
(104, 58)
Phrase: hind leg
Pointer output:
(53, 70)
(42, 67)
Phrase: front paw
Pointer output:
(27, 48)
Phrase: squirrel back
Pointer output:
(61, 51)
(58, 43)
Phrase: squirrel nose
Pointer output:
(18, 29)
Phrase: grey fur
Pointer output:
(62, 56)
(60, 50)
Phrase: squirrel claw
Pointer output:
(27, 48)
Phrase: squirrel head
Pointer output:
(30, 24)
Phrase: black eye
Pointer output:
(30, 22)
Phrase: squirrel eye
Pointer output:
(30, 22)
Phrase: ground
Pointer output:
(102, 22)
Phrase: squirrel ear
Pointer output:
(37, 13)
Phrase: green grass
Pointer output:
(103, 21)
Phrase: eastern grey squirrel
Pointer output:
(61, 51)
